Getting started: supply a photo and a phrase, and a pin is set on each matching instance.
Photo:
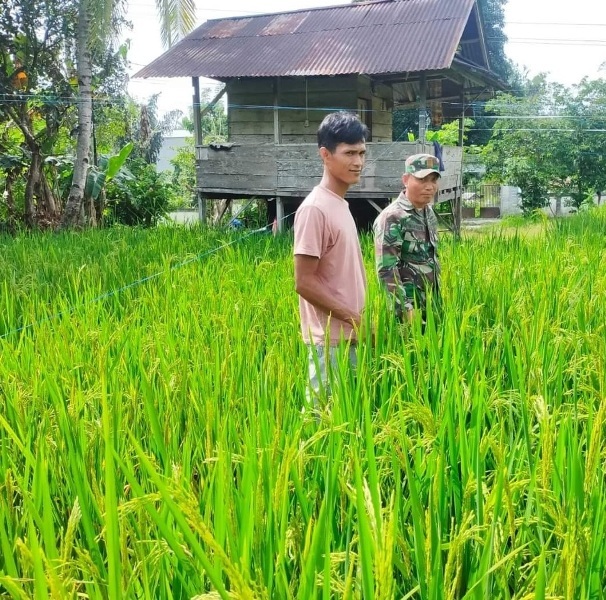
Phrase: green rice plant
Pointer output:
(152, 443)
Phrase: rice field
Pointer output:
(152, 443)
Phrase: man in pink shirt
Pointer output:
(329, 272)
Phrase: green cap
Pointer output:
(421, 165)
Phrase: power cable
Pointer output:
(9, 99)
(557, 41)
(554, 24)
(138, 282)
(179, 265)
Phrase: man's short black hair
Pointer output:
(341, 128)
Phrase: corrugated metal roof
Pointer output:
(387, 36)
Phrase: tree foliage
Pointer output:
(183, 176)
(35, 95)
(214, 121)
(38, 100)
(214, 129)
(147, 129)
(552, 141)
(492, 15)
(586, 106)
(98, 23)
(139, 196)
(177, 19)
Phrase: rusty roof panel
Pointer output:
(387, 36)
(227, 28)
(283, 24)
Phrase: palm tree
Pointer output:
(177, 19)
(73, 208)
(96, 24)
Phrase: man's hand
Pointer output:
(354, 320)
(367, 332)
(309, 287)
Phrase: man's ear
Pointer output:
(405, 179)
(324, 153)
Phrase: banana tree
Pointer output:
(97, 178)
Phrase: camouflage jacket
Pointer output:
(406, 251)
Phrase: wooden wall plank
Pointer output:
(256, 115)
(293, 169)
(252, 139)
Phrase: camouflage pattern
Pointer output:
(406, 251)
(421, 165)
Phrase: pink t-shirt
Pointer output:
(324, 228)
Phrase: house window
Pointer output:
(365, 115)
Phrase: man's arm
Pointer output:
(310, 287)
(388, 251)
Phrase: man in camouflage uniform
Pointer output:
(406, 239)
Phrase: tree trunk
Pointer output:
(39, 198)
(558, 210)
(33, 176)
(73, 207)
(11, 213)
(9, 198)
(46, 213)
(40, 204)
(100, 207)
(90, 213)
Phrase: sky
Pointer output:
(565, 39)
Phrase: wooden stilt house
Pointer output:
(284, 72)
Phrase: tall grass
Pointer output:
(152, 443)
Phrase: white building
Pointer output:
(170, 144)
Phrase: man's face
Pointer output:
(345, 163)
(421, 192)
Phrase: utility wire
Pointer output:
(555, 24)
(19, 98)
(557, 41)
(590, 117)
(179, 265)
(138, 282)
(543, 130)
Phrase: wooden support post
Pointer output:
(462, 121)
(201, 208)
(457, 203)
(458, 198)
(198, 141)
(212, 103)
(223, 211)
(374, 205)
(277, 133)
(198, 113)
(278, 140)
(196, 110)
(280, 214)
(422, 108)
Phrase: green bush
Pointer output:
(138, 196)
(184, 175)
